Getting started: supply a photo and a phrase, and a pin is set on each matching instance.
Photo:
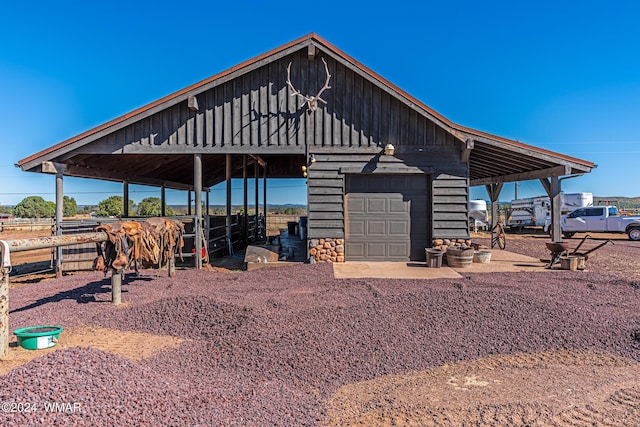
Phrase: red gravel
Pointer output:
(268, 347)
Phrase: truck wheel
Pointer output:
(634, 233)
(568, 234)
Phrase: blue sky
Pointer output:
(564, 76)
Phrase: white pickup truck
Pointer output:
(603, 219)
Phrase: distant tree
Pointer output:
(69, 206)
(151, 207)
(34, 207)
(113, 206)
(180, 210)
(6, 209)
(86, 209)
(289, 210)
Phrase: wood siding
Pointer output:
(449, 191)
(254, 112)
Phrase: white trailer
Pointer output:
(529, 212)
(573, 201)
(478, 215)
(536, 211)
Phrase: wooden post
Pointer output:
(21, 245)
(125, 197)
(197, 188)
(171, 265)
(116, 287)
(494, 194)
(256, 171)
(163, 200)
(4, 309)
(245, 207)
(264, 198)
(228, 204)
(59, 215)
(556, 206)
(553, 189)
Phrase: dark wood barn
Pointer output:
(385, 173)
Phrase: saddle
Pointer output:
(141, 244)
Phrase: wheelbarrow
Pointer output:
(585, 255)
(558, 248)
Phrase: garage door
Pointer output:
(386, 217)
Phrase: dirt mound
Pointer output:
(559, 388)
(132, 345)
(90, 387)
(190, 316)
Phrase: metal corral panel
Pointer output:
(387, 217)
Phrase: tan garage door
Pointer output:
(386, 217)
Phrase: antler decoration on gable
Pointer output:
(311, 101)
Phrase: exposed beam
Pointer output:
(109, 175)
(53, 167)
(258, 159)
(547, 185)
(530, 153)
(524, 176)
(494, 190)
(466, 150)
(192, 103)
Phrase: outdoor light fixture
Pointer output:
(389, 149)
(312, 159)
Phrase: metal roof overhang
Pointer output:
(490, 162)
(174, 171)
(492, 159)
(493, 162)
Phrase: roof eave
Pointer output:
(30, 163)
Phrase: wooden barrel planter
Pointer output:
(434, 257)
(482, 257)
(460, 258)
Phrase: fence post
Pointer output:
(116, 287)
(5, 268)
(171, 265)
(4, 310)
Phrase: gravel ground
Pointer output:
(271, 347)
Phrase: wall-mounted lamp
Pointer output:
(311, 160)
(389, 149)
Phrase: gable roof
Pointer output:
(492, 158)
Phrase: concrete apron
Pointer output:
(501, 261)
